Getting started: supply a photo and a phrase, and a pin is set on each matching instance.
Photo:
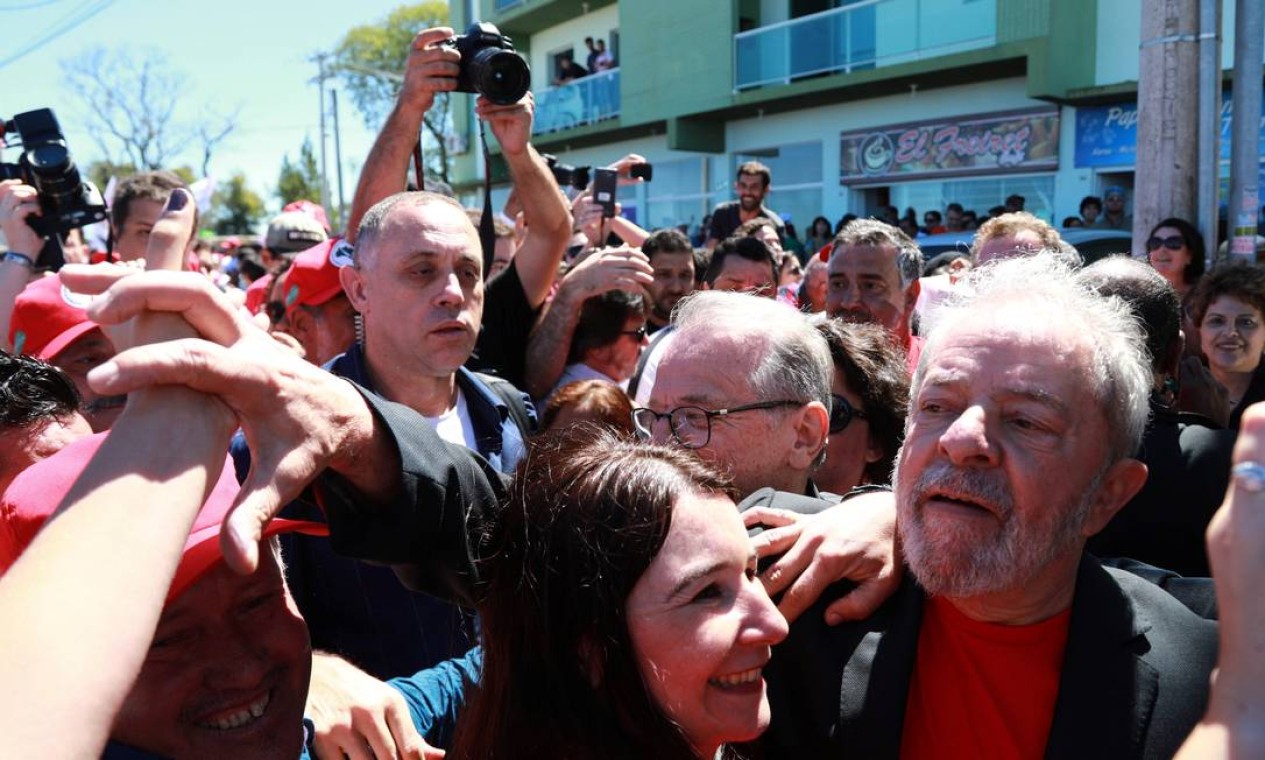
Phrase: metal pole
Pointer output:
(338, 157)
(1209, 121)
(1245, 157)
(320, 61)
(1168, 79)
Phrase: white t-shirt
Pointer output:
(454, 425)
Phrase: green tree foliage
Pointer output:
(235, 208)
(300, 180)
(370, 62)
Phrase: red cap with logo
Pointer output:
(48, 317)
(36, 493)
(313, 277)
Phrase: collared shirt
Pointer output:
(497, 435)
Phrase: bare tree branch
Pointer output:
(133, 98)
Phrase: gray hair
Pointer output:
(872, 232)
(795, 362)
(375, 218)
(1120, 373)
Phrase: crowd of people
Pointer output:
(954, 219)
(587, 490)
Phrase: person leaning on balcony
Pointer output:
(568, 69)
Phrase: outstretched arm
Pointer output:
(1234, 725)
(431, 68)
(545, 208)
(82, 602)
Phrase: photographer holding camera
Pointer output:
(514, 297)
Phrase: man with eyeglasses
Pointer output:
(745, 382)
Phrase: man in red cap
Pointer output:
(49, 323)
(317, 312)
(288, 233)
(227, 672)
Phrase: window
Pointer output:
(797, 173)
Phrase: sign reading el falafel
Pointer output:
(989, 144)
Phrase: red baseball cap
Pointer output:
(257, 293)
(313, 277)
(48, 317)
(36, 493)
(824, 253)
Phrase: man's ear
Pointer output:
(1121, 483)
(911, 297)
(354, 286)
(812, 426)
(301, 324)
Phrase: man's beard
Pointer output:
(951, 560)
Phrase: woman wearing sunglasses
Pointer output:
(1176, 250)
(869, 394)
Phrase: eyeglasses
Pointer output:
(842, 413)
(1174, 243)
(639, 333)
(691, 426)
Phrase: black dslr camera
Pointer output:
(567, 175)
(66, 200)
(489, 65)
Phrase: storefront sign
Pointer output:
(991, 144)
(1108, 135)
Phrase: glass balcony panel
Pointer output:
(864, 34)
(586, 100)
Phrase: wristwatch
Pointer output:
(21, 259)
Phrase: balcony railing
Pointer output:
(585, 100)
(864, 35)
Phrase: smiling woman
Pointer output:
(1229, 308)
(624, 618)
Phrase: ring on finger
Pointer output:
(1250, 476)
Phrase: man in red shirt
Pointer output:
(1007, 639)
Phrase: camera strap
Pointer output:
(487, 230)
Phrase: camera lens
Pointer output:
(54, 171)
(500, 76)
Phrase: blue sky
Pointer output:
(232, 52)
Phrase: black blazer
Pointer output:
(1134, 681)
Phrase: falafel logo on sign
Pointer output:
(991, 144)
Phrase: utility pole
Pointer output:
(1167, 163)
(1245, 120)
(1209, 122)
(320, 80)
(338, 158)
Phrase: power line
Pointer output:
(67, 24)
(28, 6)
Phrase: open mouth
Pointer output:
(960, 503)
(231, 720)
(739, 680)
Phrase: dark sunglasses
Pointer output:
(639, 333)
(841, 413)
(1174, 243)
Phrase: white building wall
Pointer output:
(569, 35)
(1120, 33)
